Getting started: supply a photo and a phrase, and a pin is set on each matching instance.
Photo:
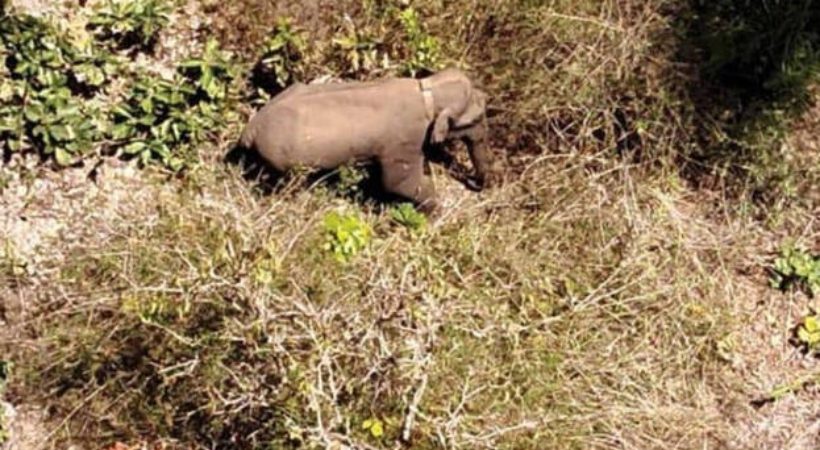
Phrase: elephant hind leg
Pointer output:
(406, 178)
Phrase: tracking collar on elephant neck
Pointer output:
(429, 100)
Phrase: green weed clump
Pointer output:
(130, 23)
(808, 333)
(46, 91)
(424, 50)
(56, 99)
(347, 235)
(407, 216)
(164, 119)
(388, 37)
(796, 267)
(281, 56)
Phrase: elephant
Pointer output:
(390, 121)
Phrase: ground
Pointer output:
(588, 302)
(51, 209)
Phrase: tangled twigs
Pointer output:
(413, 409)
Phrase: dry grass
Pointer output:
(596, 300)
(590, 311)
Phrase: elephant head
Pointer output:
(460, 113)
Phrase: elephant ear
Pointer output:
(441, 127)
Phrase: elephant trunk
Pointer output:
(480, 155)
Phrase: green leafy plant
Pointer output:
(424, 49)
(161, 119)
(351, 177)
(346, 235)
(407, 216)
(374, 426)
(61, 124)
(45, 92)
(808, 333)
(12, 124)
(154, 122)
(796, 267)
(130, 23)
(360, 52)
(281, 55)
(212, 72)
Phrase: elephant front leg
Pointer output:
(406, 178)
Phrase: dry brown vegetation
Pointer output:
(613, 293)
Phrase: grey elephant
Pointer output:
(389, 121)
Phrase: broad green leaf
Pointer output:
(92, 75)
(34, 112)
(62, 132)
(811, 324)
(122, 131)
(134, 148)
(62, 157)
(122, 112)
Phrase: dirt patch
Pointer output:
(243, 25)
(26, 428)
(35, 7)
(44, 213)
(805, 145)
(768, 361)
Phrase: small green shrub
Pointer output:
(46, 88)
(796, 267)
(424, 49)
(162, 119)
(346, 235)
(395, 39)
(359, 51)
(808, 333)
(59, 123)
(407, 216)
(351, 178)
(154, 121)
(130, 23)
(280, 58)
(212, 73)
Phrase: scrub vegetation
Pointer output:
(645, 277)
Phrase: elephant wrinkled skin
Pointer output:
(389, 121)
